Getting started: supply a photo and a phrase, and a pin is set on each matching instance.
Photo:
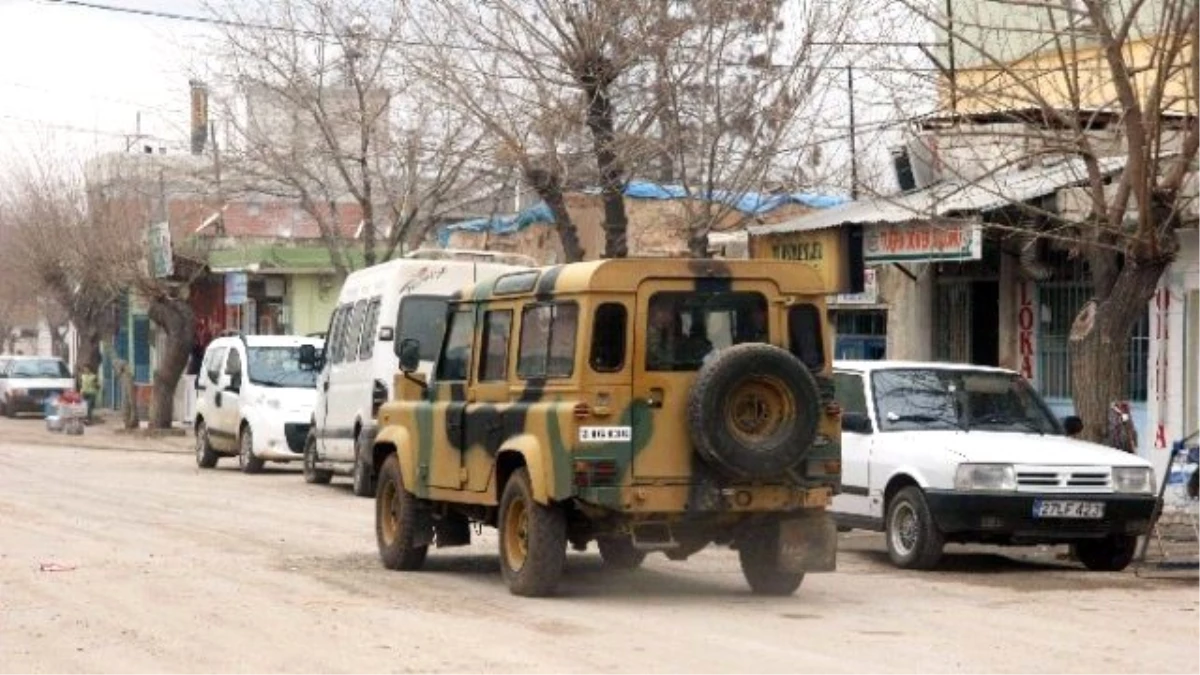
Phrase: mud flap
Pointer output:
(808, 543)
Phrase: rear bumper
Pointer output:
(973, 516)
(701, 500)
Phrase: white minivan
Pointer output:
(358, 365)
(253, 400)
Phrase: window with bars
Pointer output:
(1058, 305)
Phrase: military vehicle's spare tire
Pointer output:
(753, 411)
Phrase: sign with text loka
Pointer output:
(924, 242)
(236, 288)
(158, 240)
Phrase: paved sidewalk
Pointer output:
(107, 434)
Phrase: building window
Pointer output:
(861, 334)
(1058, 305)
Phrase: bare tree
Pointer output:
(331, 118)
(1112, 86)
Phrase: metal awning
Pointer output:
(949, 200)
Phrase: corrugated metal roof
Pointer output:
(949, 198)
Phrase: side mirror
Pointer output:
(856, 423)
(308, 357)
(235, 381)
(379, 395)
(387, 334)
(1072, 425)
(409, 352)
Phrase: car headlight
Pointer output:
(985, 477)
(1137, 479)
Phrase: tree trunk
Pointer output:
(1100, 341)
(612, 174)
(174, 317)
(549, 187)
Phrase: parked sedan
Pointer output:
(27, 381)
(937, 452)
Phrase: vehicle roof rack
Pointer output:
(477, 255)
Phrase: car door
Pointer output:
(857, 442)
(349, 388)
(208, 385)
(326, 412)
(229, 397)
(451, 399)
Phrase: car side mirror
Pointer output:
(235, 381)
(856, 423)
(1072, 425)
(308, 357)
(409, 351)
(387, 334)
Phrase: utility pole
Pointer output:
(853, 140)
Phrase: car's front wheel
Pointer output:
(396, 521)
(1111, 554)
(311, 473)
(206, 457)
(248, 462)
(913, 538)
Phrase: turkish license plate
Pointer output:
(1047, 508)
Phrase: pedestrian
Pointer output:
(89, 387)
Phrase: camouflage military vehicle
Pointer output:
(646, 405)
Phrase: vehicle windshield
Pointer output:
(38, 368)
(912, 399)
(279, 367)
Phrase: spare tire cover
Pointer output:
(753, 411)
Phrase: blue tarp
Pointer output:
(752, 203)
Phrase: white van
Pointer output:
(253, 400)
(357, 367)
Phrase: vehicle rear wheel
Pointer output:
(913, 538)
(1111, 554)
(533, 539)
(312, 474)
(206, 457)
(619, 553)
(759, 555)
(364, 486)
(246, 459)
(396, 521)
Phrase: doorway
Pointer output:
(985, 323)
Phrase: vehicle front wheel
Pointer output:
(533, 539)
(759, 555)
(1111, 554)
(206, 457)
(246, 459)
(364, 486)
(396, 521)
(913, 538)
(312, 474)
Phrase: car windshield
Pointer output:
(279, 367)
(38, 368)
(908, 399)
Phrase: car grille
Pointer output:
(1064, 479)
(296, 434)
(43, 393)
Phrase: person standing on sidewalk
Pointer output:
(89, 386)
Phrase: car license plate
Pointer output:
(1043, 508)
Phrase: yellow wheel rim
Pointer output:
(391, 512)
(516, 534)
(758, 408)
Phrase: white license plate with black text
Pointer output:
(1054, 508)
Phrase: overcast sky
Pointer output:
(75, 79)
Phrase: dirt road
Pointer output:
(177, 570)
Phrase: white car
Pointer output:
(253, 400)
(937, 452)
(27, 381)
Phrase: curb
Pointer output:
(111, 447)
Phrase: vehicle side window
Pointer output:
(850, 393)
(422, 319)
(608, 338)
(213, 368)
(366, 346)
(497, 327)
(352, 332)
(548, 341)
(234, 364)
(804, 336)
(455, 362)
(333, 341)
